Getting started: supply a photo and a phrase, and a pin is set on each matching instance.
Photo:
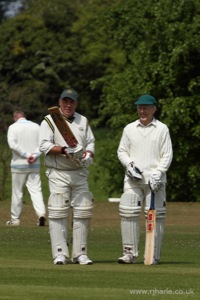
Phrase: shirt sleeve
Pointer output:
(123, 149)
(90, 140)
(12, 142)
(166, 152)
(46, 138)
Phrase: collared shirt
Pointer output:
(145, 129)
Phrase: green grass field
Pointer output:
(27, 271)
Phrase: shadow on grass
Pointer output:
(141, 263)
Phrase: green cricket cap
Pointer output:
(146, 99)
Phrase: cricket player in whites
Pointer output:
(68, 178)
(145, 150)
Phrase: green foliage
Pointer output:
(5, 157)
(163, 60)
(111, 52)
(104, 176)
(99, 177)
(185, 133)
(2, 10)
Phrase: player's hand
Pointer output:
(87, 159)
(134, 172)
(155, 181)
(32, 158)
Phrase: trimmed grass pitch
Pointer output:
(27, 271)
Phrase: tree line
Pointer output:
(111, 52)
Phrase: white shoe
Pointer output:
(82, 260)
(13, 222)
(128, 258)
(60, 260)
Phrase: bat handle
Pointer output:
(152, 205)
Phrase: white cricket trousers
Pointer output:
(71, 182)
(33, 184)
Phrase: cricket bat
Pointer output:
(62, 126)
(150, 232)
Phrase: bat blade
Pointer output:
(150, 233)
(62, 126)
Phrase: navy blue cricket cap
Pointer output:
(69, 94)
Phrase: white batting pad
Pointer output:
(129, 205)
(58, 209)
(58, 234)
(160, 224)
(82, 212)
(58, 206)
(129, 210)
(80, 234)
(83, 205)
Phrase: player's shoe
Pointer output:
(13, 222)
(41, 221)
(82, 260)
(60, 260)
(127, 258)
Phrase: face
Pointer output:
(68, 106)
(146, 112)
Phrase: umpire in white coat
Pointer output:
(23, 140)
(145, 150)
(68, 180)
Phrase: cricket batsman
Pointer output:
(67, 141)
(145, 150)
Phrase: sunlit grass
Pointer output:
(27, 271)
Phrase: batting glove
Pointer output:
(72, 153)
(87, 159)
(155, 181)
(134, 172)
